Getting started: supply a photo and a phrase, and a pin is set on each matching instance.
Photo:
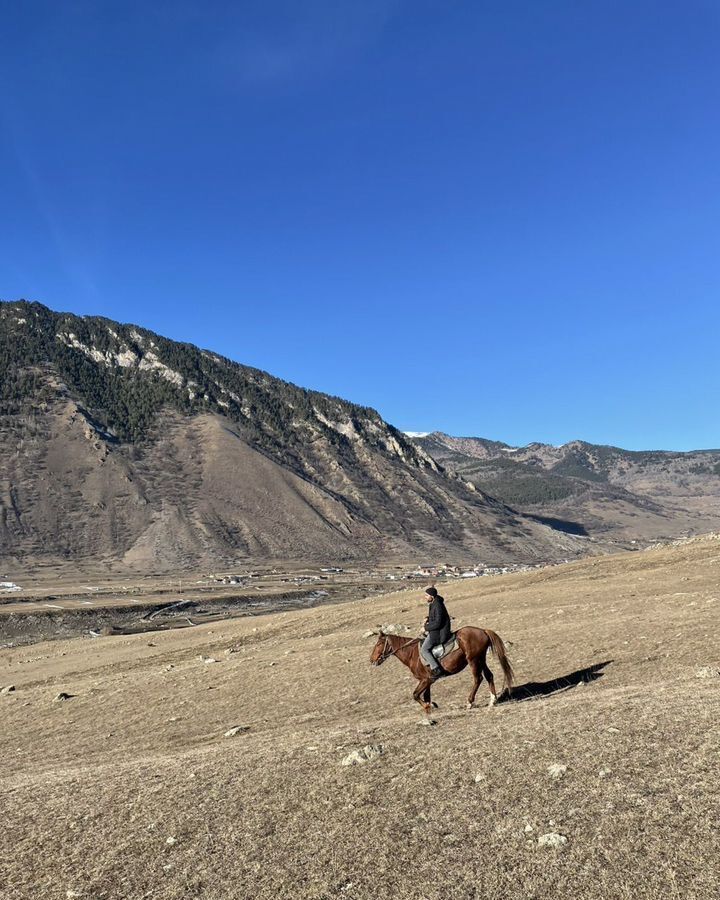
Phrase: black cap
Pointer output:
(432, 591)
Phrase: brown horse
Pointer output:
(473, 644)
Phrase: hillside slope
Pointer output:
(120, 445)
(603, 491)
(130, 790)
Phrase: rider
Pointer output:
(437, 626)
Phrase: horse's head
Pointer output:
(380, 650)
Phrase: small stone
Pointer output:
(72, 894)
(557, 770)
(363, 755)
(603, 773)
(395, 628)
(427, 722)
(707, 672)
(369, 634)
(61, 696)
(479, 778)
(612, 730)
(553, 840)
(236, 729)
(170, 841)
(529, 829)
(8, 689)
(209, 659)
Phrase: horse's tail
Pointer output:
(498, 648)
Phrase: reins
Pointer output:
(386, 655)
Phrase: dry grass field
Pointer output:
(129, 788)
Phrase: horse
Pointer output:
(473, 644)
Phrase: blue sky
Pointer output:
(495, 219)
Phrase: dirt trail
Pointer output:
(130, 790)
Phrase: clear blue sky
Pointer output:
(496, 219)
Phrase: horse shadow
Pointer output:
(532, 689)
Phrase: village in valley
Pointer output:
(421, 572)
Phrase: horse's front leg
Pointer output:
(428, 699)
(421, 695)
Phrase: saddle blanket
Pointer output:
(443, 649)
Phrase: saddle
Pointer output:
(442, 650)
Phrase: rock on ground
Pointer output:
(708, 672)
(557, 770)
(236, 729)
(363, 755)
(552, 839)
(396, 628)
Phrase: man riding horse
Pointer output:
(437, 628)
(471, 650)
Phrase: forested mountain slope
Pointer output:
(118, 443)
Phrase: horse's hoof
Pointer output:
(469, 705)
(434, 705)
(493, 701)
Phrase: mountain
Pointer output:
(120, 445)
(607, 492)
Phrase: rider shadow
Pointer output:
(532, 689)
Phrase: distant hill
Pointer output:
(603, 491)
(119, 444)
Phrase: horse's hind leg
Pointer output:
(476, 668)
(491, 684)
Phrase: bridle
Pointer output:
(386, 654)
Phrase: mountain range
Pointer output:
(606, 492)
(122, 447)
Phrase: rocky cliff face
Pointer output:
(120, 444)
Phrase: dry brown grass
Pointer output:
(93, 787)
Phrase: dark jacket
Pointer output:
(438, 621)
